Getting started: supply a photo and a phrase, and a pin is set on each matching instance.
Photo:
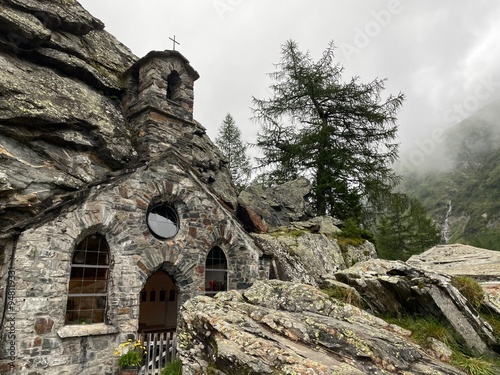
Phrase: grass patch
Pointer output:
(344, 242)
(173, 368)
(284, 231)
(474, 365)
(423, 328)
(470, 289)
(344, 295)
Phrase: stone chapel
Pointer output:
(124, 257)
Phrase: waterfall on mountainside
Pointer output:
(446, 225)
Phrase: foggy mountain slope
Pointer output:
(464, 197)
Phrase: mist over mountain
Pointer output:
(456, 176)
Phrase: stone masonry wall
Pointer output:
(118, 211)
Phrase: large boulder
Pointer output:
(285, 264)
(460, 260)
(261, 208)
(308, 252)
(307, 257)
(396, 288)
(276, 327)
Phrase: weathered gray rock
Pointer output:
(439, 350)
(53, 140)
(277, 327)
(460, 260)
(22, 29)
(318, 255)
(285, 263)
(67, 15)
(360, 253)
(273, 207)
(464, 260)
(394, 287)
(96, 58)
(307, 252)
(320, 224)
(62, 127)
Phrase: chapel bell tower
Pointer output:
(160, 101)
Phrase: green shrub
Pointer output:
(173, 368)
(352, 234)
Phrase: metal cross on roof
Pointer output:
(175, 42)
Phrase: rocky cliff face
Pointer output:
(62, 122)
(61, 125)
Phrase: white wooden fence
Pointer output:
(161, 349)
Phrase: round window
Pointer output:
(163, 221)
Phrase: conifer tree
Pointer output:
(404, 229)
(338, 134)
(391, 235)
(229, 142)
(425, 233)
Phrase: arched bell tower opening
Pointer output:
(173, 85)
(158, 304)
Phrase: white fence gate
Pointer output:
(161, 349)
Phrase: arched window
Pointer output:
(215, 271)
(87, 292)
(173, 85)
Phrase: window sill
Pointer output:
(77, 330)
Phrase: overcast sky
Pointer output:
(444, 55)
